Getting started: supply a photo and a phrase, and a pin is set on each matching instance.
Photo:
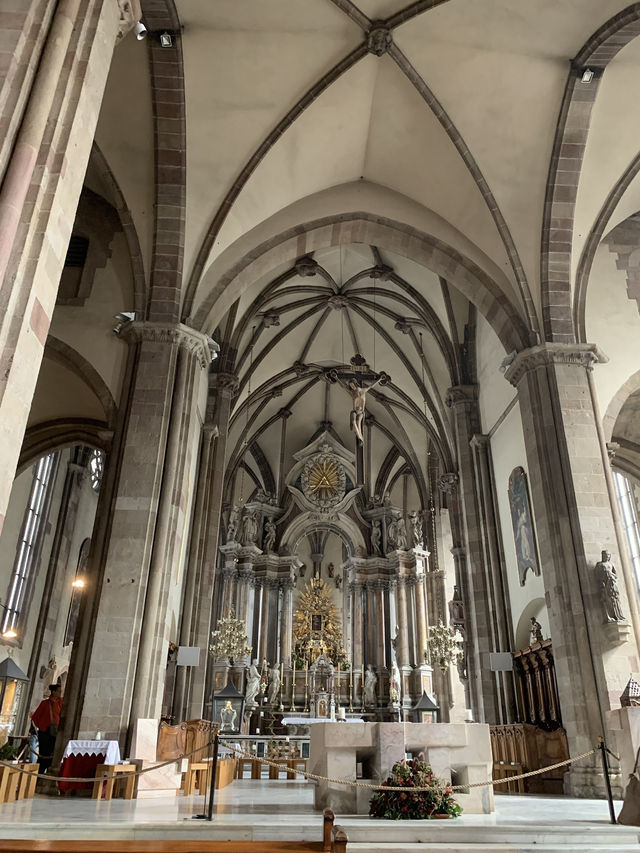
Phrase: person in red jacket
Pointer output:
(46, 719)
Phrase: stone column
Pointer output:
(356, 591)
(421, 618)
(193, 630)
(463, 401)
(380, 622)
(574, 521)
(286, 622)
(403, 637)
(500, 612)
(39, 193)
(393, 619)
(371, 624)
(126, 671)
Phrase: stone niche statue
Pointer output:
(370, 682)
(395, 687)
(417, 530)
(401, 535)
(232, 526)
(609, 585)
(269, 535)
(536, 631)
(376, 536)
(249, 528)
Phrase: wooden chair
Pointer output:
(107, 775)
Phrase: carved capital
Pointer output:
(379, 39)
(225, 383)
(480, 441)
(612, 448)
(202, 346)
(448, 482)
(461, 395)
(306, 267)
(581, 355)
(130, 12)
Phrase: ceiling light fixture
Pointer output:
(587, 75)
(140, 31)
(166, 40)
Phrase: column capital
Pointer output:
(448, 482)
(581, 355)
(202, 346)
(461, 395)
(130, 12)
(480, 440)
(225, 383)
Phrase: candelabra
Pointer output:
(229, 640)
(443, 646)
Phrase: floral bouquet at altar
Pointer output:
(435, 802)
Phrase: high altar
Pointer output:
(336, 594)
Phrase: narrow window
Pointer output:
(629, 520)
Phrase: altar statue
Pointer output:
(274, 685)
(370, 682)
(610, 591)
(376, 536)
(395, 686)
(228, 718)
(269, 535)
(253, 684)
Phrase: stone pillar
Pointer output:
(421, 618)
(371, 624)
(574, 521)
(500, 612)
(194, 631)
(403, 637)
(286, 622)
(393, 619)
(356, 591)
(463, 401)
(39, 193)
(126, 671)
(381, 630)
(285, 414)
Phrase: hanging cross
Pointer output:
(353, 383)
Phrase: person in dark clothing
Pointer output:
(46, 719)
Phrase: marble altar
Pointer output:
(457, 751)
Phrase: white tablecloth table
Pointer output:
(109, 748)
(80, 759)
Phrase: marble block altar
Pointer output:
(162, 782)
(457, 751)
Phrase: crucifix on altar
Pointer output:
(353, 381)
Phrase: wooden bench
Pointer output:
(107, 775)
(197, 775)
(15, 785)
(295, 764)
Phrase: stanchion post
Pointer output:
(212, 783)
(605, 767)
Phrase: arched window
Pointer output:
(629, 520)
(96, 469)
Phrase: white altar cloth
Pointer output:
(109, 748)
(307, 721)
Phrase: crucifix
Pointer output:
(357, 390)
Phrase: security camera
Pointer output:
(141, 31)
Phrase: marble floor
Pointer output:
(283, 810)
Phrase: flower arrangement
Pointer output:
(434, 802)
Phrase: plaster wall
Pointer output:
(61, 393)
(495, 393)
(613, 323)
(508, 452)
(89, 328)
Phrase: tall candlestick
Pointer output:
(351, 687)
(338, 690)
(293, 687)
(362, 686)
(281, 708)
(306, 685)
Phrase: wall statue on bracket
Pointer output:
(520, 507)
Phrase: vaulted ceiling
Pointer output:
(468, 124)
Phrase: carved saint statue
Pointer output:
(401, 535)
(253, 684)
(249, 528)
(395, 685)
(610, 591)
(232, 527)
(370, 682)
(274, 685)
(331, 569)
(417, 530)
(376, 535)
(358, 395)
(338, 581)
(536, 631)
(269, 535)
(228, 717)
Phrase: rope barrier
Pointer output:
(17, 769)
(308, 775)
(414, 790)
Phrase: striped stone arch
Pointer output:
(387, 234)
(564, 170)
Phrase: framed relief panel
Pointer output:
(525, 542)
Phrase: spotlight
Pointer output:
(78, 583)
(587, 75)
(9, 634)
(166, 40)
(140, 31)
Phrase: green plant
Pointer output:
(8, 752)
(437, 799)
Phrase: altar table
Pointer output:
(81, 758)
